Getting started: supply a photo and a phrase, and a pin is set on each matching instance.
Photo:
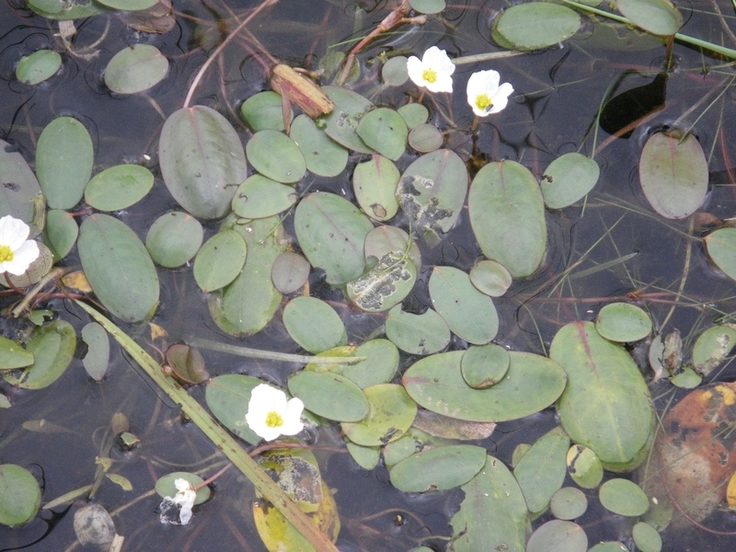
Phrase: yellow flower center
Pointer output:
(430, 75)
(274, 419)
(483, 102)
(6, 254)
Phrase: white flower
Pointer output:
(16, 252)
(183, 500)
(270, 414)
(434, 71)
(485, 96)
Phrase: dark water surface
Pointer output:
(558, 94)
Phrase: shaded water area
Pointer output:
(614, 245)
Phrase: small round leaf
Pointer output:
(623, 322)
(219, 260)
(38, 67)
(276, 156)
(313, 324)
(20, 495)
(623, 497)
(135, 69)
(118, 187)
(174, 238)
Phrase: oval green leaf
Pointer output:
(263, 111)
(385, 285)
(721, 246)
(261, 197)
(350, 107)
(484, 366)
(322, 155)
(438, 469)
(313, 324)
(219, 260)
(558, 536)
(414, 114)
(52, 346)
(623, 497)
(374, 184)
(568, 179)
(568, 503)
(61, 232)
(417, 334)
(330, 396)
(135, 69)
(98, 350)
(390, 416)
(623, 322)
(712, 347)
(13, 355)
(20, 495)
(276, 156)
(38, 67)
(166, 486)
(425, 138)
(174, 238)
(228, 397)
(535, 25)
(118, 187)
(385, 131)
(584, 467)
(491, 278)
(21, 197)
(646, 537)
(658, 17)
(290, 272)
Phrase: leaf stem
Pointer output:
(269, 355)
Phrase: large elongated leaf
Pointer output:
(202, 160)
(507, 214)
(606, 405)
(20, 193)
(118, 267)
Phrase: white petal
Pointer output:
(13, 232)
(22, 258)
(501, 99)
(442, 84)
(433, 56)
(267, 397)
(292, 417)
(416, 70)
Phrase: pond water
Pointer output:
(610, 247)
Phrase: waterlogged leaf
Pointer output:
(64, 157)
(712, 347)
(541, 472)
(507, 215)
(187, 364)
(535, 25)
(623, 322)
(493, 515)
(263, 111)
(428, 6)
(166, 486)
(491, 278)
(38, 67)
(673, 174)
(385, 285)
(374, 184)
(135, 69)
(568, 179)
(227, 397)
(329, 395)
(98, 350)
(118, 267)
(658, 17)
(417, 334)
(469, 314)
(261, 197)
(451, 428)
(20, 193)
(568, 503)
(20, 495)
(438, 469)
(331, 232)
(386, 239)
(531, 384)
(313, 324)
(60, 233)
(414, 114)
(384, 130)
(276, 156)
(721, 246)
(323, 156)
(558, 536)
(342, 123)
(432, 190)
(35, 271)
(290, 272)
(250, 301)
(606, 405)
(623, 497)
(118, 187)
(129, 5)
(584, 467)
(52, 347)
(390, 416)
(425, 138)
(13, 355)
(202, 160)
(219, 260)
(646, 537)
(174, 238)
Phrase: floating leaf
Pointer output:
(98, 350)
(432, 190)
(118, 187)
(66, 10)
(276, 156)
(61, 232)
(219, 260)
(187, 364)
(52, 346)
(38, 67)
(417, 334)
(384, 130)
(379, 367)
(623, 497)
(385, 285)
(227, 397)
(568, 503)
(568, 179)
(658, 17)
(290, 272)
(331, 232)
(712, 347)
(374, 183)
(428, 6)
(438, 469)
(350, 107)
(558, 536)
(261, 197)
(584, 467)
(451, 428)
(13, 355)
(531, 384)
(414, 114)
(493, 514)
(721, 246)
(129, 5)
(507, 214)
(263, 111)
(394, 71)
(64, 157)
(118, 268)
(20, 495)
(535, 25)
(469, 314)
(313, 324)
(491, 278)
(35, 271)
(174, 238)
(425, 138)
(322, 155)
(135, 69)
(391, 414)
(606, 405)
(674, 174)
(366, 457)
(646, 537)
(330, 396)
(387, 239)
(623, 322)
(202, 160)
(20, 193)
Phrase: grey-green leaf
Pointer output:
(263, 111)
(61, 232)
(542, 469)
(135, 69)
(174, 238)
(276, 156)
(313, 324)
(535, 25)
(323, 156)
(38, 67)
(20, 495)
(623, 322)
(374, 184)
(438, 469)
(385, 131)
(329, 395)
(13, 355)
(52, 347)
(417, 334)
(721, 246)
(227, 397)
(658, 17)
(623, 497)
(558, 536)
(118, 187)
(568, 179)
(21, 194)
(98, 350)
(261, 197)
(219, 260)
